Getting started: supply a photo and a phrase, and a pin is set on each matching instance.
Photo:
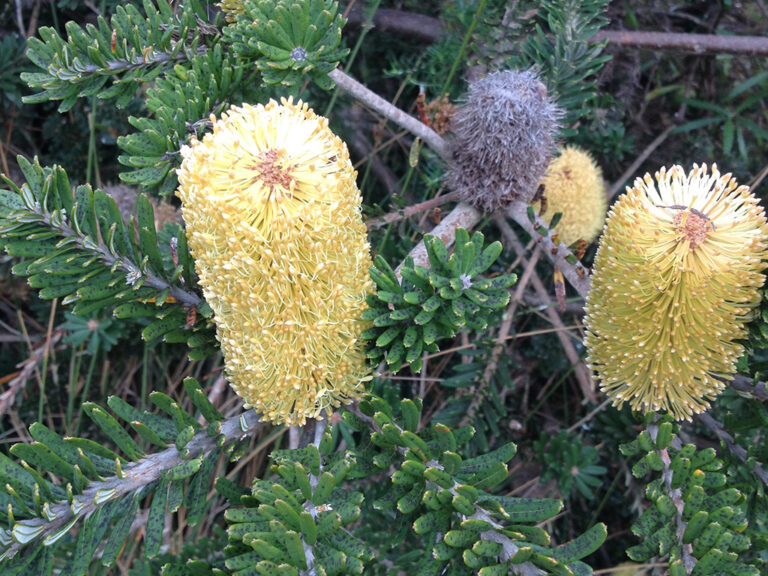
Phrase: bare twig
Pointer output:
(431, 29)
(20, 19)
(28, 366)
(579, 369)
(393, 113)
(681, 42)
(139, 474)
(642, 157)
(501, 338)
(756, 390)
(462, 216)
(419, 26)
(738, 451)
(409, 211)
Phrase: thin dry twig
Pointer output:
(756, 390)
(579, 369)
(431, 29)
(27, 368)
(393, 113)
(642, 157)
(683, 42)
(409, 211)
(501, 338)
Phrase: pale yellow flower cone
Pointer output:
(274, 223)
(677, 274)
(573, 186)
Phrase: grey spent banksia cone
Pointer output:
(504, 138)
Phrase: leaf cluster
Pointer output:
(696, 518)
(92, 488)
(433, 303)
(572, 464)
(132, 47)
(447, 500)
(289, 40)
(75, 246)
(305, 508)
(180, 104)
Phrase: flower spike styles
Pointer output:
(274, 222)
(677, 274)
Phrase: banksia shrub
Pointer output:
(677, 273)
(504, 136)
(573, 186)
(274, 223)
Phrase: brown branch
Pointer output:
(579, 368)
(501, 339)
(429, 29)
(408, 211)
(682, 42)
(419, 26)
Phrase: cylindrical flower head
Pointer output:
(676, 276)
(504, 137)
(274, 222)
(573, 186)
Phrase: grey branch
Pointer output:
(676, 495)
(463, 215)
(132, 271)
(576, 274)
(756, 390)
(430, 29)
(139, 474)
(739, 451)
(393, 113)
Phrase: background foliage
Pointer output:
(62, 353)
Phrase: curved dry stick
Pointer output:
(393, 113)
(431, 29)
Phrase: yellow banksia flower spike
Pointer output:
(677, 274)
(231, 9)
(273, 218)
(573, 186)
